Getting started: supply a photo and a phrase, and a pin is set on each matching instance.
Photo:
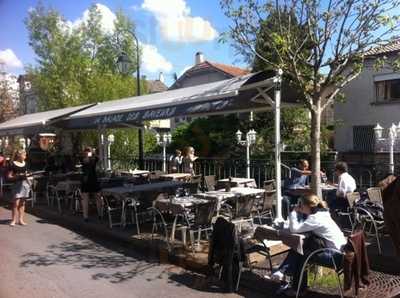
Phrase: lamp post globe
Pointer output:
(239, 136)
(123, 63)
(378, 131)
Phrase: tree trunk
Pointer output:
(316, 148)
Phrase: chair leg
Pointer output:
(239, 275)
(198, 236)
(137, 221)
(259, 217)
(109, 217)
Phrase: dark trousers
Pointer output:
(294, 261)
(337, 203)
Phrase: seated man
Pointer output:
(346, 184)
(299, 178)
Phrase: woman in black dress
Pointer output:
(89, 183)
(21, 188)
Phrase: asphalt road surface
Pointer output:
(44, 260)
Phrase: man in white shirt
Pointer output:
(346, 184)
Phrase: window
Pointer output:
(363, 138)
(388, 90)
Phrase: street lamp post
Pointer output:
(250, 140)
(163, 141)
(394, 133)
(123, 63)
(110, 141)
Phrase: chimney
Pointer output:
(199, 58)
(161, 77)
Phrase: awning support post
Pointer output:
(278, 176)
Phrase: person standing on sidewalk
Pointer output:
(89, 183)
(21, 188)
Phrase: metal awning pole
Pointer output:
(278, 176)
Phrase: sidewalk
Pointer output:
(382, 283)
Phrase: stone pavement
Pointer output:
(157, 251)
(44, 260)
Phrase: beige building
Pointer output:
(374, 97)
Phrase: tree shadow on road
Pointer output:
(85, 254)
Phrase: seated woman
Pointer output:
(319, 224)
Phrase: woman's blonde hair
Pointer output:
(313, 201)
(18, 153)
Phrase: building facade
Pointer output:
(373, 97)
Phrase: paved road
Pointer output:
(44, 260)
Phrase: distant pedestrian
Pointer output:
(89, 183)
(175, 161)
(188, 160)
(21, 189)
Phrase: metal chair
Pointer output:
(269, 185)
(364, 218)
(204, 214)
(375, 195)
(352, 198)
(114, 206)
(265, 209)
(334, 266)
(210, 182)
(131, 204)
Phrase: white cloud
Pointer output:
(9, 59)
(153, 61)
(176, 24)
(107, 18)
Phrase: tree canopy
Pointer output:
(321, 45)
(76, 63)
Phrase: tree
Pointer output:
(324, 56)
(8, 108)
(77, 64)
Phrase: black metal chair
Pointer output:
(209, 182)
(202, 221)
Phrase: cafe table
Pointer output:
(135, 173)
(302, 191)
(235, 192)
(237, 182)
(293, 240)
(176, 176)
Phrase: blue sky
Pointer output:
(171, 31)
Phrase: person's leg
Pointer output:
(99, 204)
(85, 204)
(14, 212)
(285, 206)
(21, 212)
(294, 268)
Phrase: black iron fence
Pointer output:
(366, 175)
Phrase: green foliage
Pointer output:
(211, 137)
(77, 65)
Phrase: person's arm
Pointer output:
(300, 172)
(296, 226)
(341, 189)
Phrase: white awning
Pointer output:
(238, 94)
(32, 123)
